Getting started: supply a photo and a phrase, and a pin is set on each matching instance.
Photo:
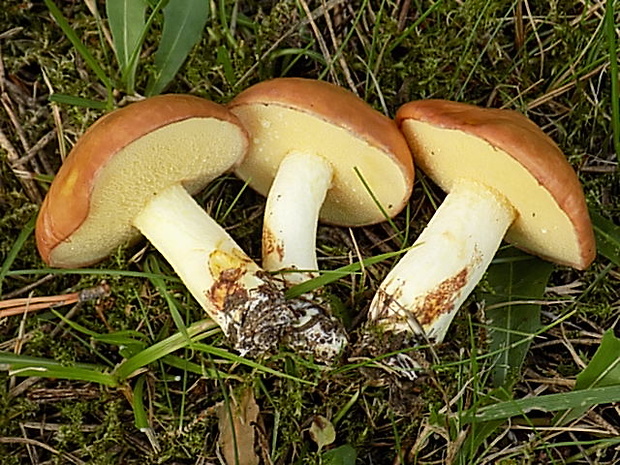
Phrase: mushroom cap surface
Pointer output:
(287, 115)
(509, 153)
(122, 161)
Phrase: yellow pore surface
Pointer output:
(276, 131)
(447, 156)
(192, 152)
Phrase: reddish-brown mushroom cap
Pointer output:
(509, 153)
(121, 162)
(288, 115)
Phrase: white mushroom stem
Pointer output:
(291, 215)
(196, 246)
(244, 300)
(428, 285)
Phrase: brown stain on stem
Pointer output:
(271, 245)
(441, 299)
(228, 270)
(225, 287)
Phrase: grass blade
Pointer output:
(91, 271)
(177, 341)
(222, 353)
(12, 360)
(62, 372)
(78, 101)
(327, 277)
(152, 266)
(550, 403)
(80, 47)
(141, 418)
(603, 370)
(118, 338)
(184, 22)
(139, 412)
(509, 281)
(17, 246)
(223, 59)
(186, 365)
(22, 365)
(127, 23)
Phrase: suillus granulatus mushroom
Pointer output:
(318, 152)
(505, 179)
(134, 171)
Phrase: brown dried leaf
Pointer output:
(238, 429)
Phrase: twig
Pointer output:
(46, 139)
(340, 58)
(563, 89)
(320, 39)
(32, 442)
(29, 304)
(57, 119)
(315, 14)
(6, 103)
(27, 288)
(28, 184)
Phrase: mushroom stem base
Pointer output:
(246, 302)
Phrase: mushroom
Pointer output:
(504, 178)
(317, 151)
(134, 171)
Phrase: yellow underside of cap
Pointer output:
(192, 152)
(276, 131)
(541, 226)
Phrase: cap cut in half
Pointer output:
(134, 172)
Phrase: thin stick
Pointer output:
(29, 304)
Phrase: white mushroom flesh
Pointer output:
(292, 213)
(198, 248)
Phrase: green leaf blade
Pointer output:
(607, 236)
(23, 365)
(78, 101)
(177, 341)
(549, 403)
(517, 277)
(343, 455)
(78, 44)
(184, 22)
(330, 276)
(25, 233)
(127, 24)
(602, 371)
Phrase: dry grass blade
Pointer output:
(13, 156)
(31, 442)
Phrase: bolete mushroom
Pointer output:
(317, 151)
(504, 178)
(134, 171)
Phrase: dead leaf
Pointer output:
(238, 429)
(322, 431)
